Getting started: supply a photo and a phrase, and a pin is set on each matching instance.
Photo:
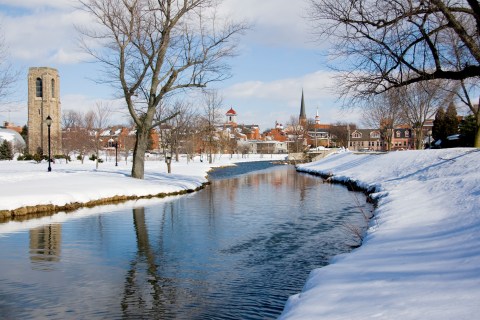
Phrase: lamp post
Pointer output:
(49, 123)
(116, 152)
(429, 134)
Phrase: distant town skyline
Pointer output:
(276, 60)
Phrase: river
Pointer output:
(234, 250)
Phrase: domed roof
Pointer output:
(231, 112)
(13, 137)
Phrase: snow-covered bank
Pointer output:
(421, 256)
(25, 184)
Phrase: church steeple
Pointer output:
(302, 119)
(317, 118)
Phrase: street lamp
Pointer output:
(429, 134)
(116, 152)
(49, 123)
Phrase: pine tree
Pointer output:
(468, 128)
(451, 120)
(6, 151)
(438, 130)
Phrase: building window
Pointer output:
(39, 88)
(398, 134)
(53, 88)
(407, 134)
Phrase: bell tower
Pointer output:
(44, 101)
(231, 116)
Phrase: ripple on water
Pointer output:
(235, 250)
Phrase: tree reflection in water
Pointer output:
(145, 288)
(235, 250)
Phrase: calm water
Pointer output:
(235, 250)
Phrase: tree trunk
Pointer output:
(418, 139)
(476, 144)
(141, 143)
(96, 160)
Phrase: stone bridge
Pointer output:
(309, 156)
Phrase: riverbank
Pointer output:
(420, 258)
(27, 189)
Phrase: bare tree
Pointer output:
(462, 90)
(296, 135)
(154, 48)
(384, 111)
(74, 134)
(419, 102)
(97, 120)
(183, 124)
(213, 103)
(386, 44)
(339, 133)
(244, 148)
(8, 75)
(189, 143)
(166, 134)
(176, 132)
(389, 44)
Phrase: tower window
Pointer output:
(53, 88)
(39, 88)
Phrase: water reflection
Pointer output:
(235, 250)
(146, 291)
(45, 244)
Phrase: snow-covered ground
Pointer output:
(26, 183)
(420, 258)
(421, 255)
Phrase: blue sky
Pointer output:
(276, 60)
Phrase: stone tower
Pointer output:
(44, 101)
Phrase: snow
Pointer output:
(12, 137)
(420, 258)
(26, 183)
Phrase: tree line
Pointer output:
(401, 60)
(398, 60)
(193, 129)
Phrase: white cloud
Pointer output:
(35, 4)
(83, 103)
(317, 85)
(276, 22)
(44, 35)
(68, 57)
(263, 103)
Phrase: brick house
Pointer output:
(366, 139)
(402, 138)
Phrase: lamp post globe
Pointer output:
(429, 133)
(49, 123)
